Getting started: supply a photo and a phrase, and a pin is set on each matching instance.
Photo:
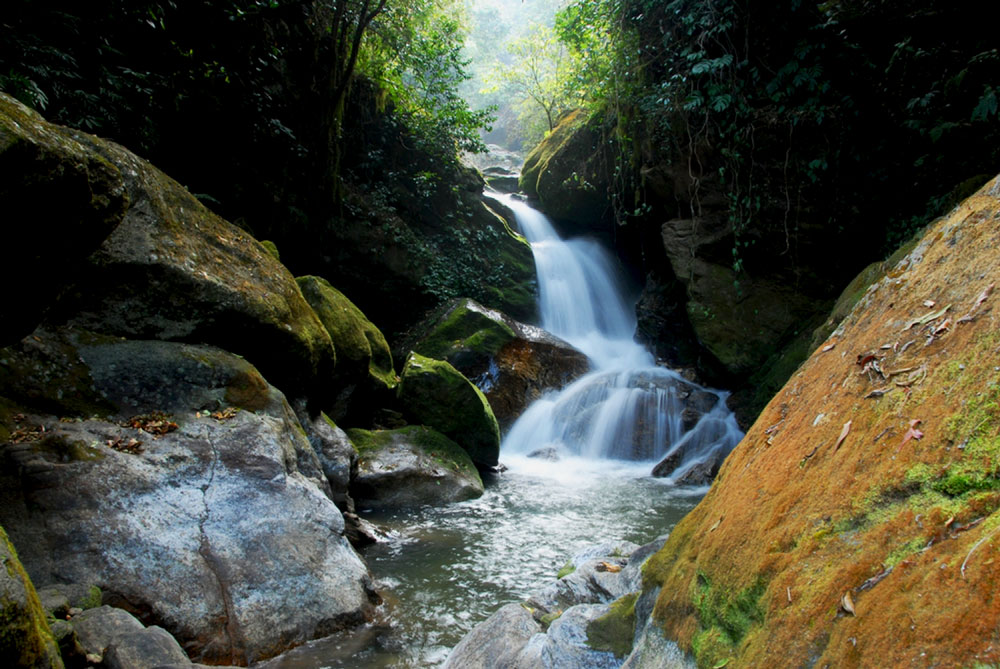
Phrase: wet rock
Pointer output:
(61, 200)
(411, 466)
(144, 649)
(701, 473)
(168, 522)
(25, 638)
(597, 578)
(502, 181)
(435, 394)
(364, 374)
(496, 642)
(511, 362)
(565, 644)
(551, 454)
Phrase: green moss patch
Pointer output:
(25, 638)
(437, 446)
(361, 347)
(435, 394)
(724, 617)
(614, 630)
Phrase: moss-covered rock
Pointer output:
(60, 201)
(873, 484)
(364, 363)
(511, 362)
(565, 173)
(411, 466)
(434, 393)
(25, 638)
(169, 269)
(615, 629)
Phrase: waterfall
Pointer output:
(626, 407)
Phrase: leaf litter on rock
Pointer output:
(155, 423)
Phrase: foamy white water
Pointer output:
(626, 408)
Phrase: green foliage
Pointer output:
(415, 53)
(533, 72)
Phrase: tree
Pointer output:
(536, 71)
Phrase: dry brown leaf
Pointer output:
(715, 525)
(912, 432)
(843, 435)
(847, 603)
(829, 347)
(225, 414)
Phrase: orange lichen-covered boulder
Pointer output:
(857, 523)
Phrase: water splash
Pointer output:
(626, 408)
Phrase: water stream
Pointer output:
(446, 569)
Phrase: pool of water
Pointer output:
(443, 570)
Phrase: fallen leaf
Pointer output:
(847, 603)
(829, 347)
(715, 525)
(929, 303)
(608, 567)
(912, 432)
(864, 359)
(225, 414)
(843, 435)
(878, 392)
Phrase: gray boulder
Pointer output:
(496, 642)
(411, 466)
(144, 649)
(96, 629)
(212, 517)
(566, 646)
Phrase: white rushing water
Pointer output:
(626, 408)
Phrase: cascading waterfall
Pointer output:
(626, 408)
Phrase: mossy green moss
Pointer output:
(463, 328)
(25, 638)
(724, 617)
(271, 248)
(361, 347)
(435, 394)
(615, 630)
(437, 446)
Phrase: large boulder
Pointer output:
(364, 373)
(434, 393)
(567, 175)
(511, 362)
(164, 503)
(25, 639)
(856, 523)
(411, 466)
(165, 266)
(60, 200)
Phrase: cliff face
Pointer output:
(857, 523)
